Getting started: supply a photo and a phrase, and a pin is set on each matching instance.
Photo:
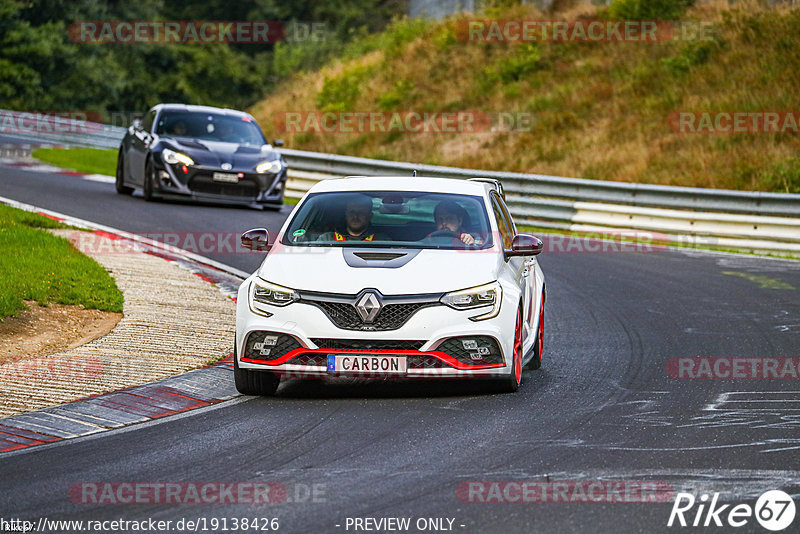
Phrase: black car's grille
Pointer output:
(391, 317)
(204, 184)
(269, 345)
(484, 350)
(367, 344)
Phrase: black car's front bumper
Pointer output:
(197, 182)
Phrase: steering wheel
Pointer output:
(443, 233)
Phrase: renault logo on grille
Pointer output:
(368, 307)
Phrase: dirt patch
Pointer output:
(39, 331)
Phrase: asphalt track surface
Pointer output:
(602, 407)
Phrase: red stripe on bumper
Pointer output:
(442, 356)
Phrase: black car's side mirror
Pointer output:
(524, 245)
(256, 239)
(277, 142)
(137, 123)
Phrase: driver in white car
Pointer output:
(358, 223)
(449, 218)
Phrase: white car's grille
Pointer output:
(269, 345)
(368, 344)
(473, 350)
(394, 313)
(391, 317)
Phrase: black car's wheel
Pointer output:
(510, 383)
(122, 189)
(538, 348)
(149, 178)
(248, 382)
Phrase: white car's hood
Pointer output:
(325, 269)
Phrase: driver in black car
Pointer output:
(179, 129)
(449, 218)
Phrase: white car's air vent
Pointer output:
(380, 258)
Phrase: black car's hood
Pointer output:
(215, 154)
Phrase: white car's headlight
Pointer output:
(476, 297)
(172, 157)
(273, 167)
(264, 294)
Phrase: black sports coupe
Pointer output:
(201, 153)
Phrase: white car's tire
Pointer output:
(538, 348)
(263, 383)
(510, 383)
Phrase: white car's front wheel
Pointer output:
(538, 349)
(248, 382)
(510, 384)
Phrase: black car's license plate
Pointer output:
(225, 177)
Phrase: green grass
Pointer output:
(86, 160)
(36, 265)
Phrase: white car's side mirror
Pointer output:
(525, 245)
(256, 239)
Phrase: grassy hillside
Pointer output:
(601, 109)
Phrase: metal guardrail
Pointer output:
(58, 129)
(732, 219)
(743, 219)
(566, 188)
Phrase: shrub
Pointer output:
(340, 93)
(648, 9)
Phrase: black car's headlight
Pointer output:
(476, 297)
(264, 294)
(272, 167)
(172, 157)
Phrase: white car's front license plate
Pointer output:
(369, 364)
(225, 177)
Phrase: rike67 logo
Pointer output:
(774, 510)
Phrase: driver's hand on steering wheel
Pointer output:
(467, 239)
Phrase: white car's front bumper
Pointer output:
(433, 327)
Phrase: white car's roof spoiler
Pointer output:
(491, 181)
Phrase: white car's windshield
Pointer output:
(414, 219)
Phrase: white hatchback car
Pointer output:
(392, 277)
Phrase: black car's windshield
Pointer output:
(415, 219)
(210, 127)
